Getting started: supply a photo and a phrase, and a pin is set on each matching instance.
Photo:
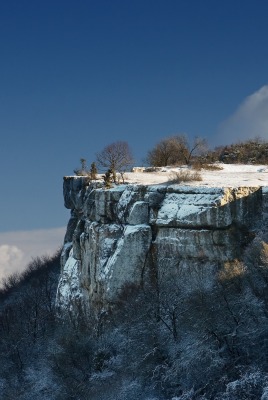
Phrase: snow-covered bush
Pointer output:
(185, 176)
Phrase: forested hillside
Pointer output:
(183, 340)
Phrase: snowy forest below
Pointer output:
(157, 344)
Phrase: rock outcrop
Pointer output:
(131, 234)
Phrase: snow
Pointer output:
(171, 210)
(69, 282)
(132, 229)
(231, 175)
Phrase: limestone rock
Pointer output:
(139, 213)
(70, 297)
(128, 233)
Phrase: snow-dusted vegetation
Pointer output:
(188, 338)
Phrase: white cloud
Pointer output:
(18, 248)
(248, 121)
(10, 258)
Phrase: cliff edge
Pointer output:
(140, 234)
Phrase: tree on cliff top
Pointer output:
(168, 151)
(82, 171)
(175, 150)
(117, 157)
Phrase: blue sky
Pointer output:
(77, 75)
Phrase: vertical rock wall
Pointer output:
(119, 236)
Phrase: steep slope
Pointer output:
(139, 234)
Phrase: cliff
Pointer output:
(142, 234)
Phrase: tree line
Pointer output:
(117, 158)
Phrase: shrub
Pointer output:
(108, 179)
(185, 176)
(208, 167)
(93, 171)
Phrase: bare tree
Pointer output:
(175, 150)
(168, 151)
(197, 148)
(117, 157)
(82, 171)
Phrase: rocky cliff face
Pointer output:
(134, 234)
